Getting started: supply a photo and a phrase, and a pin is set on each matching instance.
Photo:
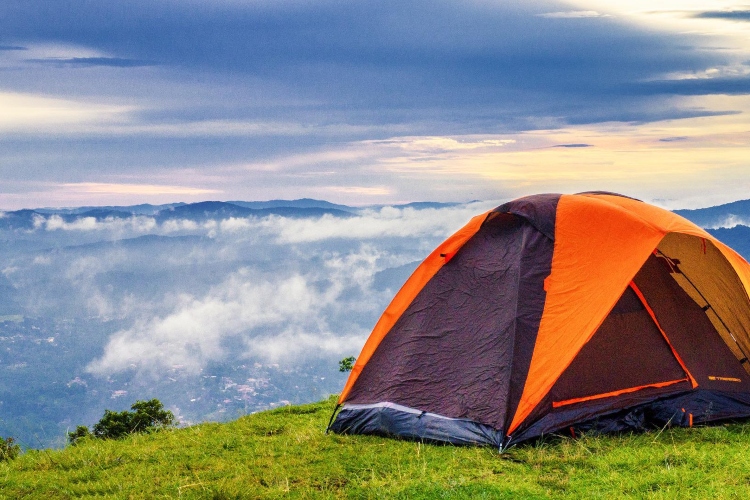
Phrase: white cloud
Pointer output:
(80, 224)
(385, 222)
(573, 14)
(736, 70)
(42, 260)
(192, 334)
(731, 221)
(234, 224)
(136, 224)
(440, 143)
(277, 318)
(35, 51)
(175, 225)
(35, 113)
(82, 273)
(7, 271)
(224, 128)
(368, 224)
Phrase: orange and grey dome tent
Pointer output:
(592, 311)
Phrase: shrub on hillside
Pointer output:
(113, 425)
(77, 435)
(144, 417)
(8, 449)
(150, 415)
(346, 364)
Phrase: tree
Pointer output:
(346, 364)
(8, 449)
(150, 415)
(113, 425)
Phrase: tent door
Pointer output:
(629, 353)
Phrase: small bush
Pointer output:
(8, 449)
(81, 432)
(346, 364)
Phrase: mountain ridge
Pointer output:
(714, 217)
(720, 215)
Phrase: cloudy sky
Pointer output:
(155, 101)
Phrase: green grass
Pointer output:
(284, 453)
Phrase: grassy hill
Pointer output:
(285, 453)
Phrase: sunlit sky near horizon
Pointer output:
(157, 101)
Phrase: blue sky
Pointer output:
(124, 102)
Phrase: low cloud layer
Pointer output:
(181, 294)
(367, 224)
(731, 221)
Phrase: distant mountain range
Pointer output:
(142, 209)
(201, 211)
(208, 210)
(727, 215)
(730, 223)
(301, 203)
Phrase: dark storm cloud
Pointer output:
(694, 86)
(644, 114)
(572, 146)
(674, 139)
(732, 15)
(376, 57)
(116, 62)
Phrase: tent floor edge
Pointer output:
(393, 420)
(686, 409)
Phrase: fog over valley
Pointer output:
(215, 308)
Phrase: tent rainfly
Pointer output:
(552, 312)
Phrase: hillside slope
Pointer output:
(285, 453)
